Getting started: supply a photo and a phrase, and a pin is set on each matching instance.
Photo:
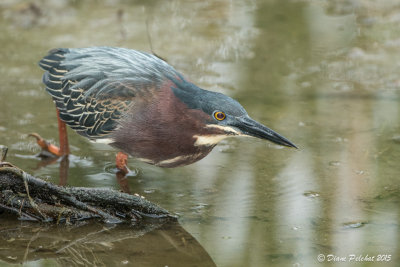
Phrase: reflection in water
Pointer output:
(99, 245)
(329, 33)
(295, 209)
(327, 74)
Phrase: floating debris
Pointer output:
(334, 163)
(351, 225)
(149, 191)
(396, 139)
(311, 194)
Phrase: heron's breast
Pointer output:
(165, 132)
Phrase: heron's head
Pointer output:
(225, 114)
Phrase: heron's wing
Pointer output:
(93, 87)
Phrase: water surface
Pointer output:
(323, 74)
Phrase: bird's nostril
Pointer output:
(247, 123)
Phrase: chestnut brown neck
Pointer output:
(163, 130)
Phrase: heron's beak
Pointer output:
(250, 127)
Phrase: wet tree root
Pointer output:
(33, 199)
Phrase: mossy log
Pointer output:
(31, 198)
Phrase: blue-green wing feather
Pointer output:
(94, 87)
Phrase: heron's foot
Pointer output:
(121, 161)
(48, 150)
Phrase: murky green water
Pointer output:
(324, 74)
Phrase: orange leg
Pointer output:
(121, 160)
(54, 150)
(62, 134)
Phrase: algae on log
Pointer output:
(31, 198)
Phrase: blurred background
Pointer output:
(325, 74)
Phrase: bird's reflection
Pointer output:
(123, 182)
(95, 244)
(64, 164)
(64, 167)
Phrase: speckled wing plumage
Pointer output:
(94, 87)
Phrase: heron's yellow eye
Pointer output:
(219, 115)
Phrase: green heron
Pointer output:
(139, 104)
